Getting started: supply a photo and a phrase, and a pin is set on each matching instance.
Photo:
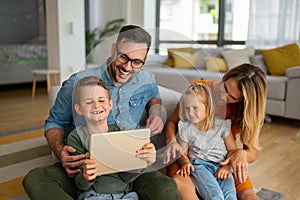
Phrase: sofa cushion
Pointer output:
(237, 57)
(258, 60)
(281, 58)
(207, 53)
(156, 58)
(293, 72)
(275, 107)
(170, 61)
(185, 60)
(175, 79)
(214, 64)
(276, 88)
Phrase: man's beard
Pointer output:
(120, 69)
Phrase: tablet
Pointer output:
(116, 151)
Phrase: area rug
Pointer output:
(266, 194)
(22, 151)
(263, 194)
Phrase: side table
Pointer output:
(48, 73)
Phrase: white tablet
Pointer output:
(116, 151)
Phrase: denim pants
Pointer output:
(92, 195)
(207, 185)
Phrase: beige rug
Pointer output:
(21, 152)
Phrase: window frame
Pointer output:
(220, 42)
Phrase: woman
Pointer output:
(241, 97)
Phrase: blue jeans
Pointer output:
(92, 195)
(207, 185)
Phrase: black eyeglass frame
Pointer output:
(126, 59)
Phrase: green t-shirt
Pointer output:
(109, 183)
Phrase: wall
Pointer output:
(102, 11)
(19, 21)
(65, 35)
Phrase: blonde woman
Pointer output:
(241, 97)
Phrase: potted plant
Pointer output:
(94, 37)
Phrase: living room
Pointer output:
(280, 138)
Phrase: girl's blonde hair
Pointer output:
(203, 94)
(251, 81)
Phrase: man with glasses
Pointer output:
(132, 90)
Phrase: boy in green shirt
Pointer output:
(94, 103)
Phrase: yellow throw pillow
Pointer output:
(185, 60)
(170, 61)
(215, 64)
(281, 58)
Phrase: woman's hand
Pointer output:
(238, 161)
(171, 151)
(70, 163)
(147, 153)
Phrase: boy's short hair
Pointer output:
(89, 81)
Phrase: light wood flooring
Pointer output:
(18, 110)
(277, 167)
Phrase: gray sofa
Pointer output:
(283, 93)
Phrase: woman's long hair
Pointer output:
(251, 81)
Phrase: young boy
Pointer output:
(93, 102)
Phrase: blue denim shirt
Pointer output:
(129, 100)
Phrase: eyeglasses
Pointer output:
(123, 58)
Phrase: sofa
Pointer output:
(283, 94)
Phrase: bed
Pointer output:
(17, 61)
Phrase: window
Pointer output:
(209, 23)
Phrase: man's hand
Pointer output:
(155, 124)
(147, 153)
(157, 116)
(171, 151)
(71, 162)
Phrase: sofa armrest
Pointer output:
(52, 95)
(293, 72)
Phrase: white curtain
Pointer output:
(273, 23)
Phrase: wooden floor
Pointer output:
(19, 111)
(277, 167)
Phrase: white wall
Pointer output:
(66, 28)
(102, 11)
(65, 36)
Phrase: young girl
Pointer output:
(207, 140)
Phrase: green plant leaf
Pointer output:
(94, 37)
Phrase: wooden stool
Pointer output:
(48, 73)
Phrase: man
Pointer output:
(132, 90)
